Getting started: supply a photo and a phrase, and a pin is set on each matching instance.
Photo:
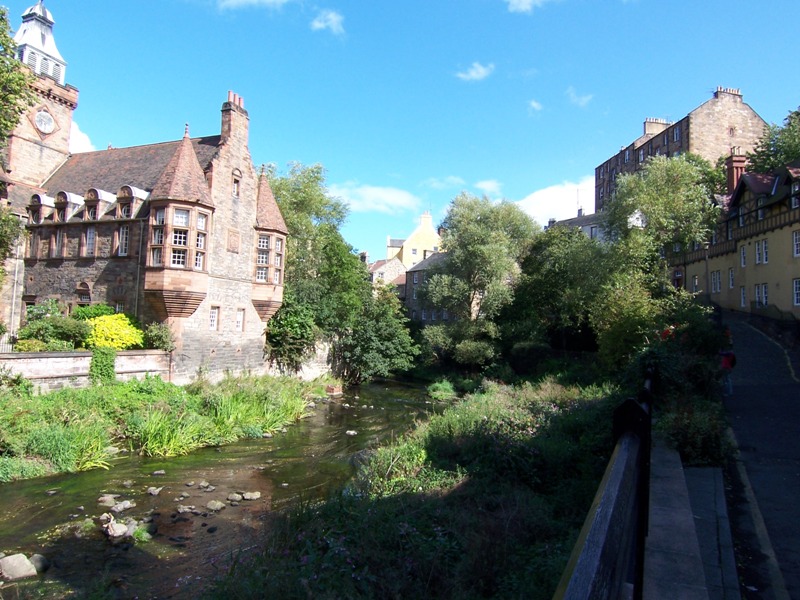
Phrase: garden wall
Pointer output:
(54, 370)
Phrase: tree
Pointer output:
(377, 344)
(554, 293)
(15, 80)
(668, 202)
(779, 145)
(484, 242)
(291, 335)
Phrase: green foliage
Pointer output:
(114, 331)
(779, 145)
(697, 427)
(13, 468)
(51, 329)
(85, 313)
(442, 390)
(102, 368)
(30, 346)
(482, 501)
(377, 344)
(14, 81)
(69, 446)
(168, 433)
(159, 336)
(14, 383)
(667, 201)
(48, 308)
(290, 335)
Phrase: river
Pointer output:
(189, 549)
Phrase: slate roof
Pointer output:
(433, 260)
(109, 170)
(183, 178)
(268, 215)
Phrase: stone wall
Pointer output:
(54, 370)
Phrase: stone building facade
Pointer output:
(185, 232)
(711, 130)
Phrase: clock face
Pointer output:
(44, 122)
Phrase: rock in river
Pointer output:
(215, 505)
(16, 566)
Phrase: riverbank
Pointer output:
(484, 500)
(79, 429)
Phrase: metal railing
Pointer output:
(608, 558)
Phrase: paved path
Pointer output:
(764, 413)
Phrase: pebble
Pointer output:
(284, 485)
(127, 483)
(267, 434)
(203, 484)
(251, 495)
(154, 491)
(159, 472)
(351, 432)
(215, 505)
(234, 497)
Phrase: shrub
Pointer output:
(56, 328)
(114, 331)
(102, 370)
(59, 346)
(86, 313)
(48, 308)
(441, 390)
(30, 346)
(159, 336)
(697, 429)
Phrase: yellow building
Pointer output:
(423, 242)
(752, 262)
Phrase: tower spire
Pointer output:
(36, 46)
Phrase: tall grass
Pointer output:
(74, 429)
(484, 500)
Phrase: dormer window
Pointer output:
(91, 213)
(61, 215)
(125, 211)
(35, 216)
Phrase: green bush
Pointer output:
(30, 346)
(56, 328)
(59, 346)
(159, 336)
(114, 331)
(86, 313)
(102, 369)
(697, 429)
(48, 308)
(442, 390)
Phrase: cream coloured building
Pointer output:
(422, 243)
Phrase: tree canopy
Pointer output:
(779, 145)
(15, 81)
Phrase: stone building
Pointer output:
(423, 242)
(723, 122)
(185, 232)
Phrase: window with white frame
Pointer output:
(758, 252)
(743, 256)
(742, 296)
(119, 307)
(762, 298)
(414, 294)
(796, 290)
(278, 245)
(276, 277)
(202, 221)
(179, 237)
(125, 210)
(761, 213)
(796, 242)
(416, 278)
(157, 257)
(239, 319)
(261, 274)
(91, 213)
(58, 243)
(213, 318)
(200, 261)
(641, 154)
(263, 242)
(201, 241)
(627, 156)
(158, 236)
(123, 240)
(178, 259)
(731, 275)
(160, 216)
(278, 260)
(796, 194)
(676, 134)
(716, 282)
(181, 217)
(424, 314)
(764, 252)
(91, 239)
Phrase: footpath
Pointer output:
(703, 522)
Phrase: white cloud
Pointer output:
(224, 4)
(476, 72)
(79, 141)
(535, 105)
(371, 198)
(490, 187)
(524, 6)
(560, 201)
(577, 99)
(444, 183)
(330, 20)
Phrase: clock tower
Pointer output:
(40, 142)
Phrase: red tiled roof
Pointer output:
(138, 166)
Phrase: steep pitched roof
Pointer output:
(431, 261)
(182, 178)
(268, 215)
(139, 166)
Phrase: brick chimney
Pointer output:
(235, 120)
(735, 166)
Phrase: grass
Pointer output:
(76, 429)
(484, 500)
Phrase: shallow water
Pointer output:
(189, 549)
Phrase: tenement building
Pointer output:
(185, 232)
(710, 131)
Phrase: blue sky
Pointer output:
(408, 103)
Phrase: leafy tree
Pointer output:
(779, 145)
(667, 201)
(377, 344)
(555, 293)
(291, 335)
(15, 80)
(484, 242)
